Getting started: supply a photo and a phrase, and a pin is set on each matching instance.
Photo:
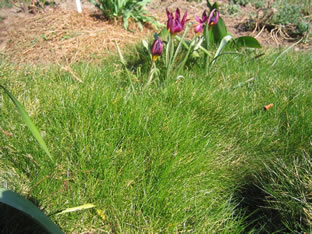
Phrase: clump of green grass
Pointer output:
(288, 13)
(169, 158)
(5, 3)
(288, 189)
(292, 14)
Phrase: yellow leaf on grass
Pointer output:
(73, 209)
(101, 214)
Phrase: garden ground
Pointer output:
(196, 153)
(57, 33)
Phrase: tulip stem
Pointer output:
(130, 80)
(191, 48)
(206, 31)
(180, 43)
(168, 51)
(199, 46)
(174, 56)
(150, 75)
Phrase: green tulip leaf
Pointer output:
(33, 129)
(16, 201)
(218, 31)
(164, 34)
(223, 43)
(247, 41)
(209, 4)
(214, 6)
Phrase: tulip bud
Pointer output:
(213, 17)
(200, 27)
(157, 49)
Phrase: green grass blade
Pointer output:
(16, 201)
(286, 50)
(29, 123)
(121, 57)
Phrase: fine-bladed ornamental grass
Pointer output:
(195, 154)
(194, 134)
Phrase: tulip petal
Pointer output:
(213, 19)
(198, 19)
(177, 14)
(184, 18)
(204, 17)
(168, 12)
(199, 28)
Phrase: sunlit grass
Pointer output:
(182, 155)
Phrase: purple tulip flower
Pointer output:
(174, 24)
(213, 17)
(200, 27)
(157, 49)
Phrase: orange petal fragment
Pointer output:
(267, 107)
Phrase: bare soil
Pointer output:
(57, 33)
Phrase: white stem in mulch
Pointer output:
(78, 4)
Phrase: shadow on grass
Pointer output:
(260, 217)
(15, 221)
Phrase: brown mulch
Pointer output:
(60, 35)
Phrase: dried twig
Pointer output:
(68, 69)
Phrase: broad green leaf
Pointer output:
(140, 26)
(247, 41)
(77, 208)
(126, 16)
(209, 5)
(195, 54)
(210, 35)
(223, 43)
(33, 129)
(95, 3)
(218, 32)
(164, 34)
(145, 45)
(214, 6)
(16, 201)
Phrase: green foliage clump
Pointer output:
(233, 9)
(289, 188)
(291, 14)
(5, 3)
(127, 9)
(240, 2)
(194, 0)
(259, 4)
